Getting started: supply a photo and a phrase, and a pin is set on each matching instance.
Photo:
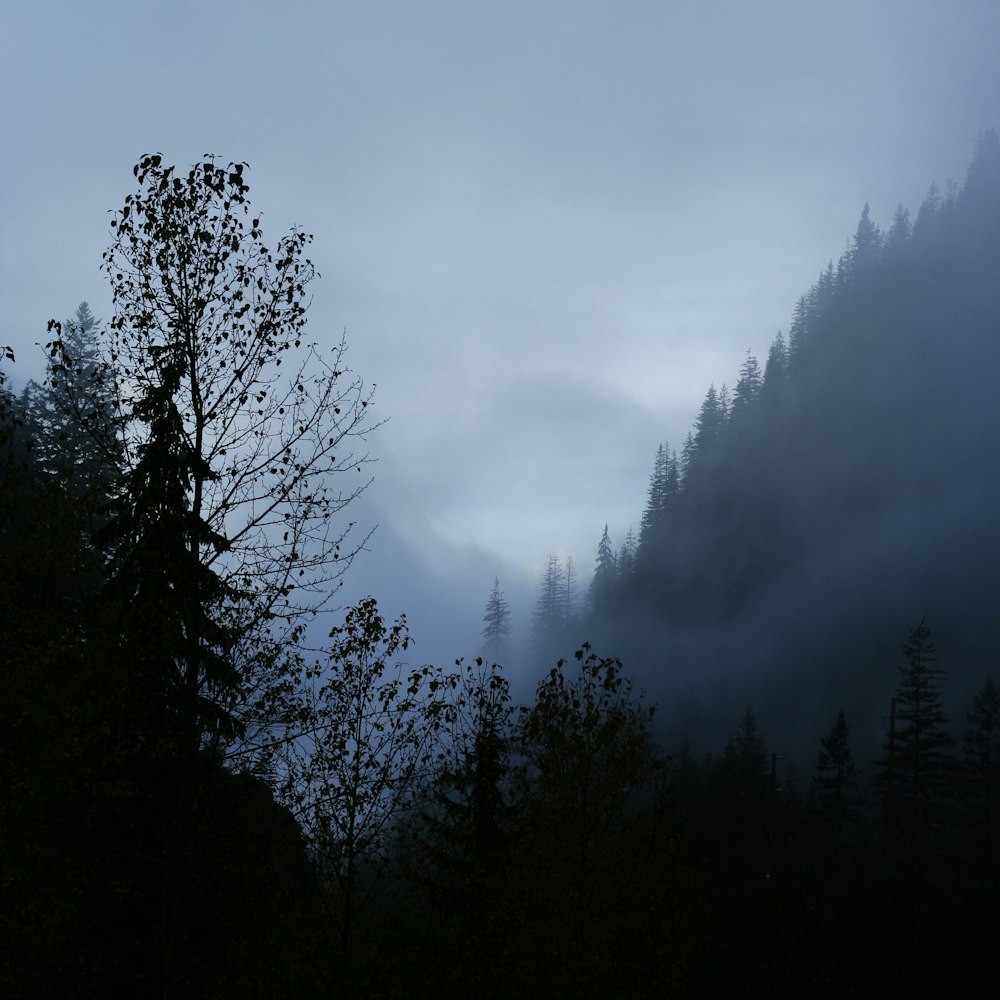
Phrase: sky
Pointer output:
(545, 227)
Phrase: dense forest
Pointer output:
(842, 488)
(195, 801)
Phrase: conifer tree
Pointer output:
(71, 419)
(866, 248)
(605, 580)
(626, 558)
(981, 775)
(549, 615)
(834, 783)
(748, 387)
(496, 623)
(917, 771)
(776, 367)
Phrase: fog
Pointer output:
(546, 232)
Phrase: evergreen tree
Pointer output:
(626, 558)
(708, 427)
(72, 416)
(569, 595)
(899, 232)
(659, 500)
(549, 615)
(866, 249)
(496, 623)
(926, 225)
(604, 585)
(748, 387)
(981, 776)
(917, 770)
(776, 367)
(687, 458)
(834, 784)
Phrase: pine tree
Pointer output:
(917, 771)
(866, 249)
(658, 500)
(834, 784)
(899, 232)
(929, 215)
(708, 427)
(626, 558)
(496, 623)
(775, 381)
(748, 387)
(549, 615)
(981, 775)
(569, 594)
(604, 584)
(71, 418)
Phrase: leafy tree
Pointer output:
(370, 739)
(222, 530)
(496, 622)
(586, 741)
(589, 762)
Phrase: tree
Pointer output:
(748, 387)
(72, 416)
(916, 771)
(834, 784)
(659, 498)
(981, 775)
(240, 466)
(866, 249)
(223, 531)
(569, 594)
(776, 368)
(496, 622)
(370, 739)
(604, 584)
(899, 232)
(463, 829)
(626, 558)
(588, 760)
(708, 427)
(549, 616)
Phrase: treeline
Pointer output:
(877, 415)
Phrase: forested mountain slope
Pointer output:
(844, 487)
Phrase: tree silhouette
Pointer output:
(496, 623)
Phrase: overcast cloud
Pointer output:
(546, 227)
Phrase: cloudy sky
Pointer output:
(546, 227)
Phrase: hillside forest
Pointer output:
(199, 798)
